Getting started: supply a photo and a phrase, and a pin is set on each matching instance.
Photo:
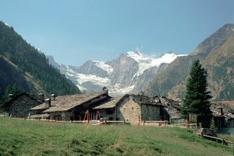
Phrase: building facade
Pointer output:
(133, 109)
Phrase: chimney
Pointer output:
(220, 110)
(10, 96)
(41, 96)
(48, 102)
(53, 96)
(105, 89)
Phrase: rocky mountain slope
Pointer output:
(217, 57)
(28, 68)
(130, 72)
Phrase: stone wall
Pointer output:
(150, 112)
(135, 113)
(21, 105)
(64, 116)
(129, 112)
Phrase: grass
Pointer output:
(33, 138)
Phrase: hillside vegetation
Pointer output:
(33, 138)
(25, 66)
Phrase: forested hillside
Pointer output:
(23, 65)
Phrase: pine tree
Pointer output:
(197, 97)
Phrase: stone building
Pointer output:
(171, 108)
(20, 105)
(223, 113)
(37, 112)
(130, 108)
(133, 109)
(68, 107)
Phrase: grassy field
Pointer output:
(34, 138)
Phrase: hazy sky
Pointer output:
(74, 31)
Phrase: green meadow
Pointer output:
(34, 138)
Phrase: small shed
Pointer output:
(20, 105)
(223, 113)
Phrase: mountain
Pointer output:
(216, 54)
(130, 72)
(28, 68)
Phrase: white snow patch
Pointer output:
(117, 90)
(181, 55)
(126, 90)
(38, 49)
(145, 62)
(81, 88)
(70, 72)
(7, 24)
(104, 66)
(82, 78)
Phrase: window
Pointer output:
(110, 111)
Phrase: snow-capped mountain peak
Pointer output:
(104, 66)
(165, 58)
(145, 61)
(129, 73)
(137, 56)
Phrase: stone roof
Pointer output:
(142, 99)
(40, 107)
(7, 105)
(171, 106)
(225, 103)
(110, 104)
(67, 102)
(227, 107)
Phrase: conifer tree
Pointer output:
(197, 98)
